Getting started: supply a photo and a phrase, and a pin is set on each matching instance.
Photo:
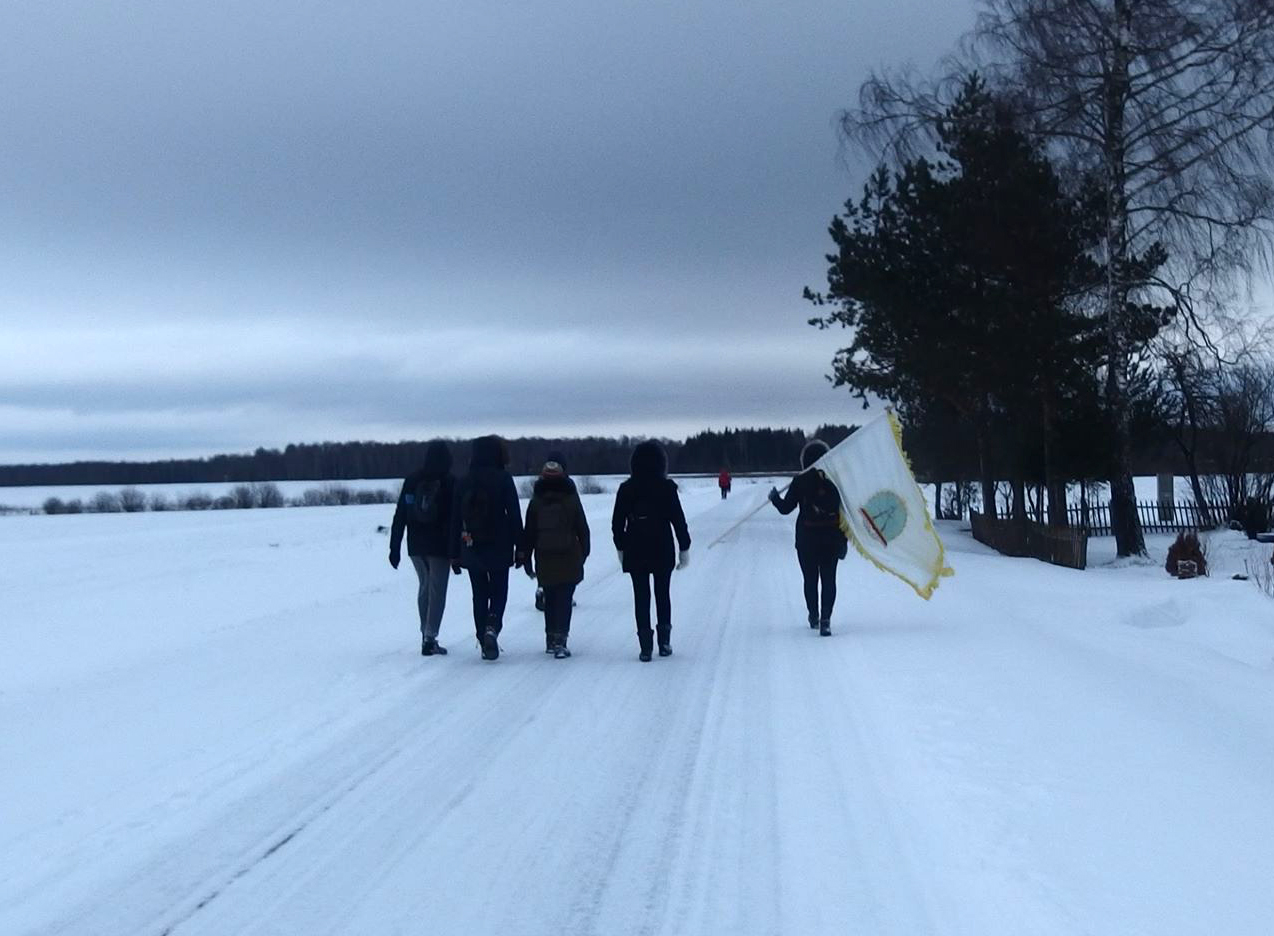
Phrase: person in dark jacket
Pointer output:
(555, 545)
(820, 543)
(486, 527)
(647, 515)
(424, 512)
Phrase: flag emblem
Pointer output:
(885, 515)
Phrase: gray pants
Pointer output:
(432, 597)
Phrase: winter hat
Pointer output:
(556, 456)
(551, 469)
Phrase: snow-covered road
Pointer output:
(220, 724)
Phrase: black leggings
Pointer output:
(490, 595)
(819, 567)
(663, 606)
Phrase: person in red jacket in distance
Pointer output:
(723, 482)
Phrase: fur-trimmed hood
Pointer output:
(561, 484)
(486, 452)
(813, 451)
(649, 460)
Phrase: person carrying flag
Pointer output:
(820, 544)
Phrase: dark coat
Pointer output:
(425, 539)
(648, 513)
(556, 534)
(814, 535)
(488, 482)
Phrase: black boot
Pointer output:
(645, 641)
(431, 647)
(560, 652)
(825, 628)
(665, 650)
(813, 621)
(489, 645)
(550, 643)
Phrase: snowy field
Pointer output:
(220, 723)
(33, 497)
(25, 498)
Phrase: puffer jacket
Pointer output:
(556, 535)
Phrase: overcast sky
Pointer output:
(232, 224)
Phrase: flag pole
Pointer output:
(748, 516)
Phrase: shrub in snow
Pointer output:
(1255, 517)
(196, 501)
(339, 495)
(526, 490)
(225, 502)
(105, 502)
(160, 502)
(312, 497)
(1187, 548)
(132, 500)
(1262, 574)
(54, 505)
(589, 485)
(267, 495)
(73, 506)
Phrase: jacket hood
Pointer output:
(560, 484)
(437, 459)
(486, 452)
(813, 451)
(649, 460)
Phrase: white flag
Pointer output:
(882, 510)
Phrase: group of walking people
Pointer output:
(474, 523)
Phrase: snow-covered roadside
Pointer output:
(221, 735)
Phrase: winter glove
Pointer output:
(395, 557)
(455, 566)
(774, 496)
(683, 559)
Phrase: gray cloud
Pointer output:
(238, 223)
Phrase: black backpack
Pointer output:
(426, 502)
(821, 506)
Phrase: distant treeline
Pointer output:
(740, 450)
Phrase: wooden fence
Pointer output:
(1063, 546)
